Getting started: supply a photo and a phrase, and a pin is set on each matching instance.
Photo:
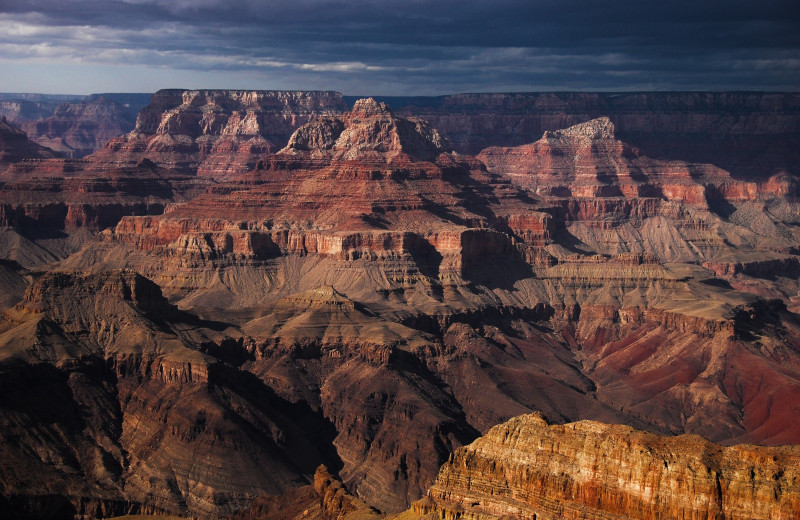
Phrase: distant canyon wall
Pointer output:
(748, 133)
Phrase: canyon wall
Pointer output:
(263, 282)
(749, 134)
(526, 468)
(73, 126)
(216, 132)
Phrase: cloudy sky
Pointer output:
(398, 47)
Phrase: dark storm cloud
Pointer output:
(418, 46)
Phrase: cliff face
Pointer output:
(589, 470)
(587, 161)
(19, 110)
(78, 129)
(74, 127)
(749, 134)
(395, 196)
(217, 132)
(15, 146)
(369, 299)
(52, 197)
(369, 133)
(110, 407)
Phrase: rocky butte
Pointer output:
(526, 468)
(74, 127)
(289, 283)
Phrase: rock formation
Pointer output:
(111, 402)
(325, 499)
(93, 201)
(74, 127)
(587, 161)
(15, 146)
(24, 110)
(526, 468)
(369, 299)
(216, 132)
(78, 129)
(750, 134)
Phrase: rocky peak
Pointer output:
(186, 111)
(318, 135)
(368, 107)
(600, 128)
(369, 133)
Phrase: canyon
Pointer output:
(249, 285)
(526, 468)
(73, 126)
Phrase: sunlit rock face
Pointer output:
(214, 133)
(363, 296)
(589, 470)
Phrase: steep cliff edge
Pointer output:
(111, 404)
(369, 299)
(526, 468)
(215, 133)
(79, 128)
(16, 146)
(750, 134)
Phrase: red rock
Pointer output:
(374, 301)
(589, 470)
(79, 128)
(15, 146)
(750, 134)
(587, 161)
(215, 133)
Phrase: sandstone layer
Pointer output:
(216, 132)
(527, 468)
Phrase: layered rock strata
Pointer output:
(69, 202)
(216, 132)
(527, 468)
(588, 161)
(750, 134)
(74, 127)
(112, 405)
(80, 128)
(397, 299)
(15, 146)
